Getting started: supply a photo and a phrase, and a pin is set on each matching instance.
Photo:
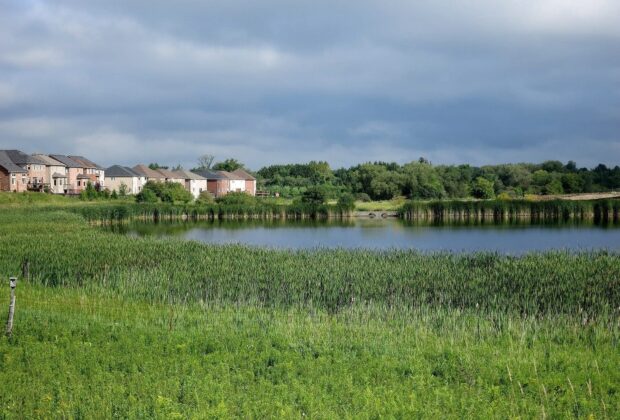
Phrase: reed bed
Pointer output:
(502, 210)
(147, 328)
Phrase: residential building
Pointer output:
(149, 174)
(34, 167)
(194, 183)
(250, 181)
(96, 174)
(236, 182)
(76, 179)
(171, 176)
(118, 176)
(217, 183)
(55, 174)
(12, 177)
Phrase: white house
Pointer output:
(194, 183)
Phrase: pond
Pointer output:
(511, 238)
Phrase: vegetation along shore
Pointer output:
(169, 328)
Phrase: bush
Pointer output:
(363, 197)
(168, 192)
(314, 196)
(346, 202)
(483, 188)
(147, 196)
(237, 198)
(205, 197)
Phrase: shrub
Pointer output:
(346, 202)
(205, 197)
(147, 196)
(314, 196)
(237, 198)
(363, 197)
(483, 188)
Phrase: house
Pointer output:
(171, 176)
(250, 181)
(118, 176)
(95, 173)
(76, 179)
(236, 182)
(12, 177)
(55, 174)
(194, 183)
(217, 183)
(33, 166)
(149, 174)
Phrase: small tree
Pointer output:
(123, 190)
(314, 195)
(346, 201)
(205, 197)
(483, 188)
(146, 196)
(114, 195)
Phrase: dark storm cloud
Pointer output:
(279, 81)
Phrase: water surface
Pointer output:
(390, 234)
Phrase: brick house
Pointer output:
(194, 183)
(55, 174)
(218, 184)
(76, 180)
(249, 180)
(12, 177)
(35, 168)
(95, 173)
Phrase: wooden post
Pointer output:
(9, 323)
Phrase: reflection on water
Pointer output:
(512, 237)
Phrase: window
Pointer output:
(55, 182)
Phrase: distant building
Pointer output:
(55, 174)
(95, 173)
(33, 166)
(116, 176)
(250, 181)
(149, 174)
(194, 183)
(76, 179)
(170, 176)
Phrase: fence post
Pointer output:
(9, 323)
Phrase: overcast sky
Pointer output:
(275, 81)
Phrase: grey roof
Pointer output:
(48, 160)
(205, 173)
(20, 158)
(85, 162)
(121, 172)
(70, 163)
(57, 175)
(188, 175)
(83, 176)
(7, 163)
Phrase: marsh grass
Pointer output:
(114, 326)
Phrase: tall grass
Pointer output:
(500, 210)
(146, 328)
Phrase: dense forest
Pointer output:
(423, 180)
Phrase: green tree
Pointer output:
(228, 165)
(314, 195)
(483, 188)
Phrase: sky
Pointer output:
(281, 81)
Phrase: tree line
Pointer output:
(422, 180)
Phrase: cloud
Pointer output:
(479, 81)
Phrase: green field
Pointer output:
(114, 326)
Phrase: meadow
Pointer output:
(114, 326)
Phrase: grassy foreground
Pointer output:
(112, 326)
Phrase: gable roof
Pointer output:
(243, 174)
(85, 162)
(209, 175)
(230, 175)
(121, 172)
(169, 174)
(147, 172)
(20, 158)
(49, 161)
(183, 174)
(8, 165)
(69, 163)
